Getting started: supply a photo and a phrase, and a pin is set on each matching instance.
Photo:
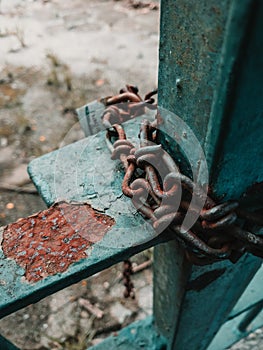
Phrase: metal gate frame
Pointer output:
(210, 76)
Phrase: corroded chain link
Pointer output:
(127, 272)
(162, 194)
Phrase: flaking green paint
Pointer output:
(214, 86)
(66, 173)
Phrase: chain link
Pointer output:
(129, 286)
(156, 193)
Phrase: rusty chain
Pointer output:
(215, 235)
(128, 284)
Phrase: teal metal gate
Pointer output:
(210, 75)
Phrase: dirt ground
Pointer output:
(55, 56)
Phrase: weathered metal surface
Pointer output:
(202, 80)
(220, 90)
(230, 332)
(101, 114)
(192, 35)
(165, 197)
(235, 170)
(252, 295)
(171, 273)
(219, 298)
(48, 242)
(250, 316)
(199, 57)
(81, 172)
(137, 336)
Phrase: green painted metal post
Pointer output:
(210, 76)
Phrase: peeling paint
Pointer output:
(48, 242)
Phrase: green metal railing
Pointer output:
(210, 74)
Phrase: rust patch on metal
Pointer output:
(48, 242)
(204, 280)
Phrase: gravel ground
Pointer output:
(54, 57)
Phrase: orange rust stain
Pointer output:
(46, 243)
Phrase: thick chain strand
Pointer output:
(215, 235)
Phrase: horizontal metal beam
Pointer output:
(81, 172)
